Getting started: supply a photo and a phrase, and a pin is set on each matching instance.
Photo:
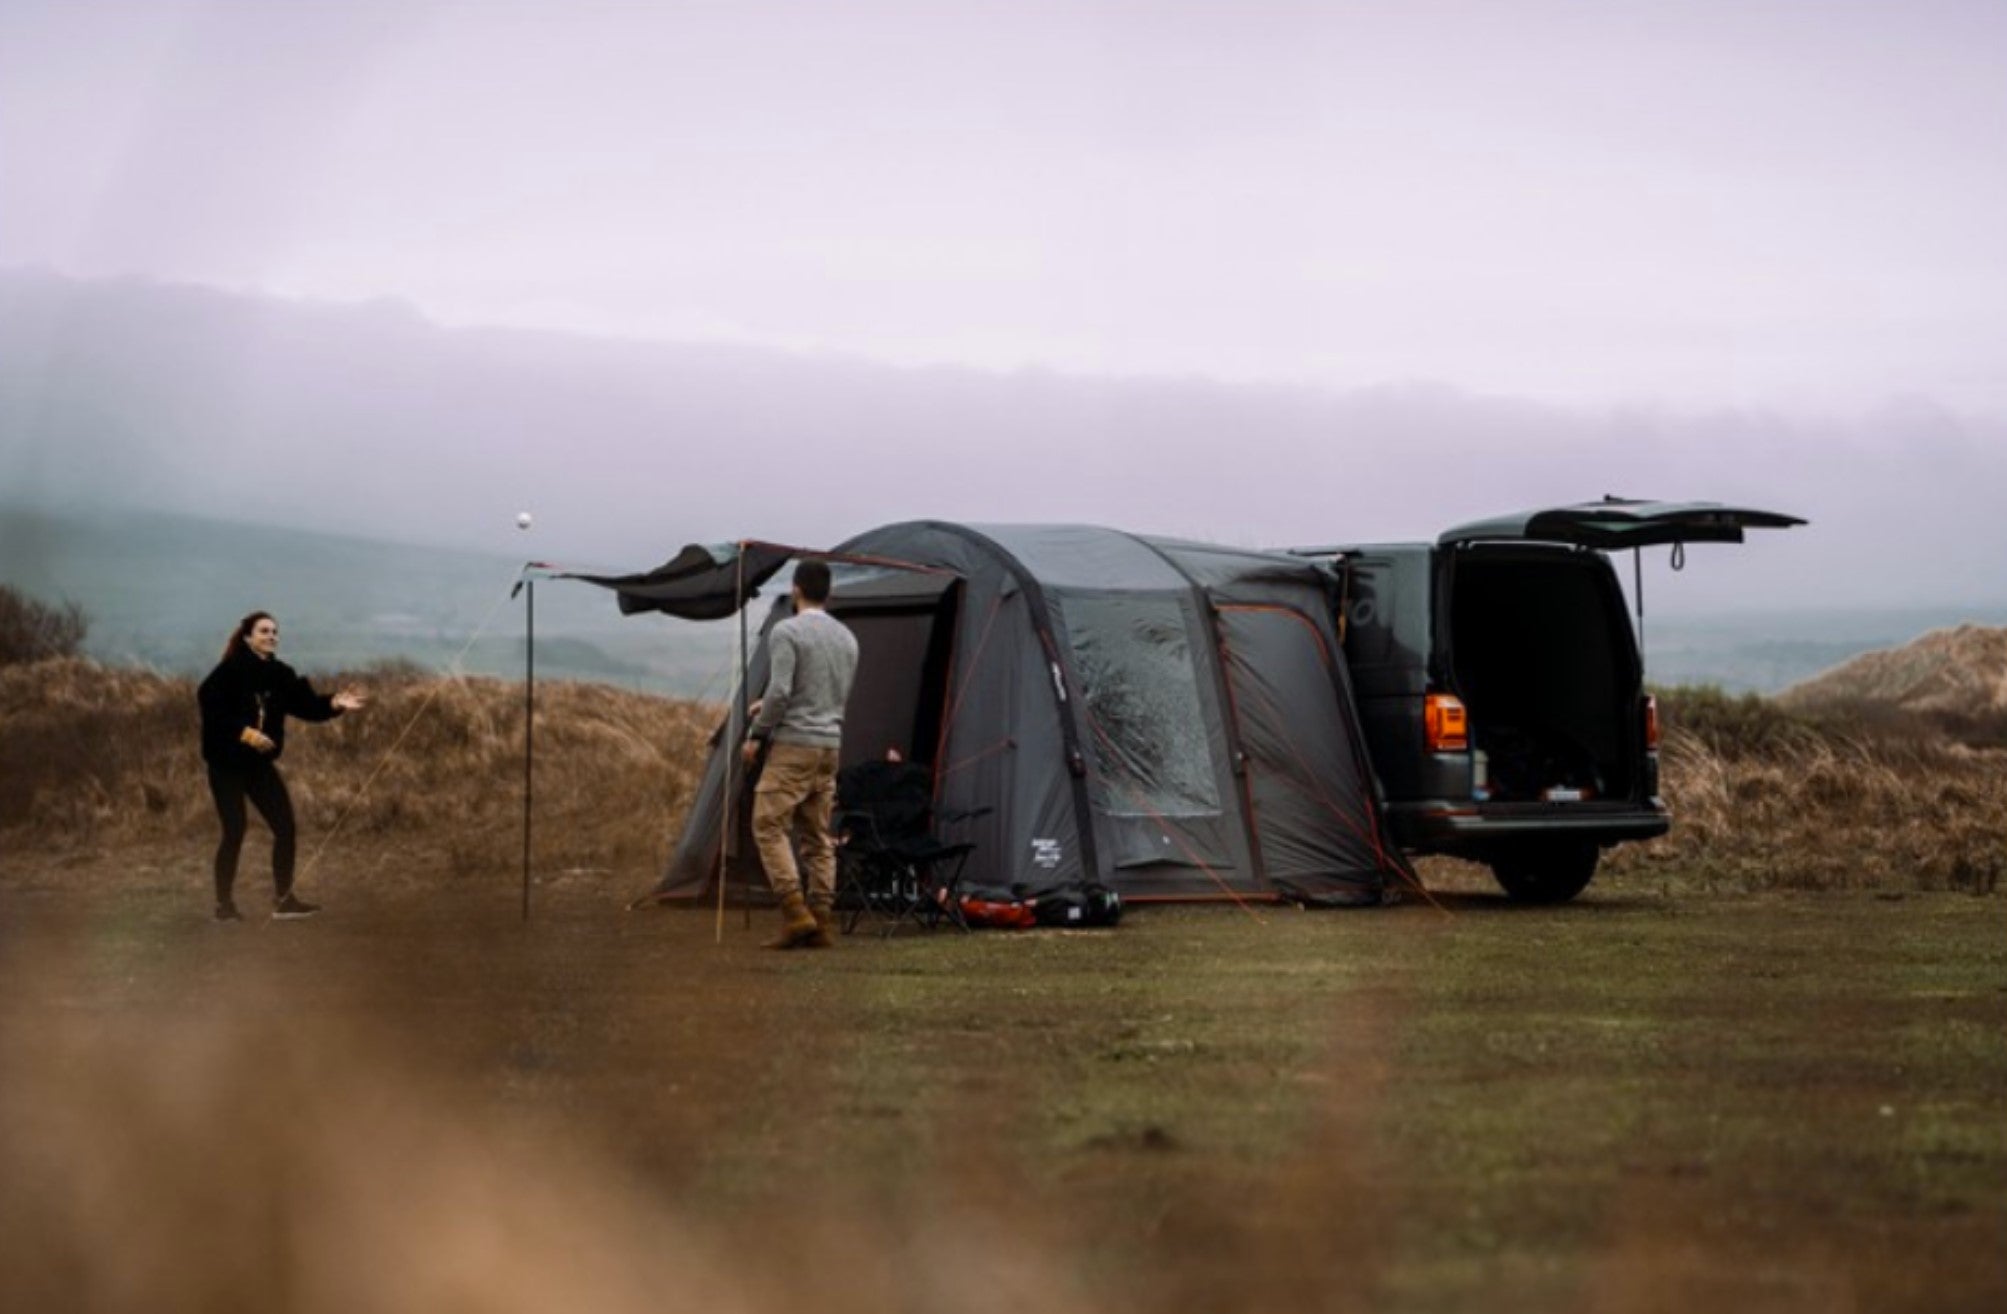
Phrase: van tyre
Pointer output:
(1552, 871)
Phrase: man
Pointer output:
(811, 664)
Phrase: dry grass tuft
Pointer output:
(433, 769)
(33, 631)
(226, 1159)
(1855, 796)
(85, 748)
(223, 1164)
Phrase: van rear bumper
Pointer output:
(1466, 829)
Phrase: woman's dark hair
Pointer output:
(236, 646)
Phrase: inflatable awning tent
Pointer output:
(1170, 719)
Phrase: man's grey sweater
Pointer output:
(811, 663)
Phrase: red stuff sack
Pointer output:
(1007, 914)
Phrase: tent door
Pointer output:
(897, 701)
(1300, 780)
(903, 655)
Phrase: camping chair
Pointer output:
(889, 864)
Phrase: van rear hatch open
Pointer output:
(1616, 523)
(1501, 685)
(1538, 648)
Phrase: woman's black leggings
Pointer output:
(266, 789)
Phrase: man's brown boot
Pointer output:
(825, 926)
(798, 926)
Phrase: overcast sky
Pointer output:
(1721, 202)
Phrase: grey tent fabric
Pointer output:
(1170, 719)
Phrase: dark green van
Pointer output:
(1501, 688)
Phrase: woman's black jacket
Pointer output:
(249, 691)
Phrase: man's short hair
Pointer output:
(812, 578)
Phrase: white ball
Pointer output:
(523, 520)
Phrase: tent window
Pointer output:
(1133, 659)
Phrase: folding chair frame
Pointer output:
(917, 881)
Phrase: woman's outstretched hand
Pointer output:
(350, 700)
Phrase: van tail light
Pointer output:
(1651, 722)
(1445, 726)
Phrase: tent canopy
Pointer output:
(710, 581)
(702, 582)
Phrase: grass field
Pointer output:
(1762, 1064)
(1638, 1102)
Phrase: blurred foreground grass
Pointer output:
(1778, 1101)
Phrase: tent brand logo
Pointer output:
(1045, 853)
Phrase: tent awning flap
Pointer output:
(702, 582)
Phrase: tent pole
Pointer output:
(745, 716)
(734, 732)
(529, 731)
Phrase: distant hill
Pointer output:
(1769, 651)
(1960, 671)
(371, 421)
(162, 592)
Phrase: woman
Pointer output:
(245, 702)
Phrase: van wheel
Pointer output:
(1553, 871)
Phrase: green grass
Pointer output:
(1508, 1086)
(1779, 1101)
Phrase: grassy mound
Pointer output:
(101, 756)
(1854, 796)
